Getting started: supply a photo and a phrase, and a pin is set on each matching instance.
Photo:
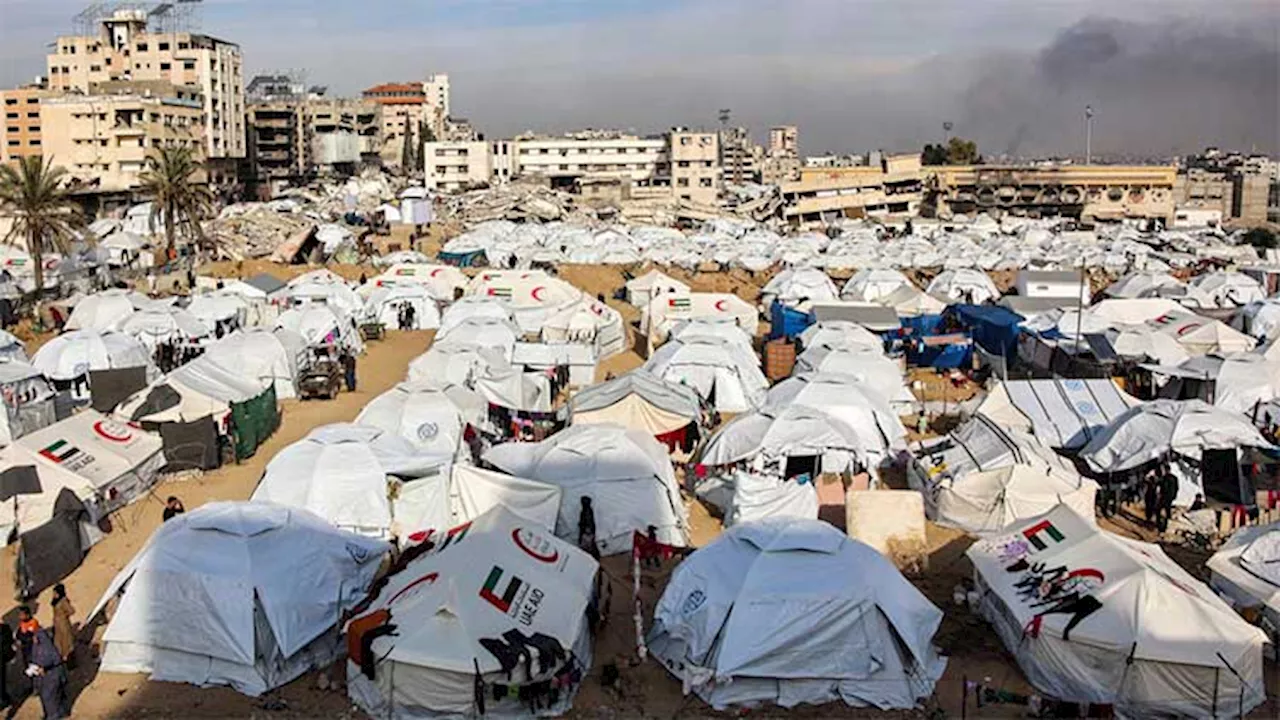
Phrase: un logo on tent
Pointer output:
(428, 430)
(692, 602)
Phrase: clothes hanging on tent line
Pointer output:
(684, 439)
(525, 425)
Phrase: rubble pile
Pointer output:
(254, 230)
(517, 201)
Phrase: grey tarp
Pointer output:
(109, 387)
(1061, 413)
(50, 552)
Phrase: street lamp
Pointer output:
(1088, 134)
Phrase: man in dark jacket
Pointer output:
(50, 676)
(348, 361)
(1168, 493)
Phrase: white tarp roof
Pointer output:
(1060, 412)
(496, 575)
(1096, 617)
(196, 595)
(34, 510)
(720, 370)
(638, 400)
(76, 353)
(203, 387)
(1247, 568)
(867, 365)
(789, 611)
(426, 507)
(106, 310)
(626, 473)
(1148, 431)
(261, 355)
(428, 415)
(119, 459)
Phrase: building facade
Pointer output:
(739, 156)
(1087, 192)
(563, 160)
(693, 164)
(452, 166)
(126, 49)
(784, 140)
(103, 139)
(894, 186)
(20, 135)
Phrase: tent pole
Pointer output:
(1214, 709)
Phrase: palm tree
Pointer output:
(177, 199)
(43, 213)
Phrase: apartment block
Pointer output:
(784, 140)
(892, 187)
(125, 48)
(20, 135)
(103, 139)
(563, 160)
(740, 156)
(451, 166)
(694, 165)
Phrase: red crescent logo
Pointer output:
(436, 272)
(720, 305)
(515, 537)
(535, 292)
(430, 577)
(109, 431)
(1187, 328)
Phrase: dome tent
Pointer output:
(639, 401)
(1246, 571)
(964, 284)
(79, 352)
(626, 473)
(235, 593)
(430, 415)
(872, 284)
(384, 306)
(790, 611)
(105, 310)
(1098, 618)
(723, 373)
(463, 613)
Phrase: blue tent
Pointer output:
(995, 329)
(787, 322)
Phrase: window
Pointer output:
(188, 64)
(33, 101)
(165, 66)
(13, 129)
(95, 68)
(683, 163)
(682, 182)
(13, 143)
(108, 61)
(164, 46)
(705, 182)
(685, 140)
(11, 101)
(11, 116)
(142, 47)
(33, 116)
(184, 46)
(35, 141)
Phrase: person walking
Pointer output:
(1150, 501)
(173, 507)
(409, 313)
(49, 676)
(1168, 493)
(64, 631)
(348, 360)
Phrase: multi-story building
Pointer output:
(435, 90)
(693, 164)
(278, 145)
(739, 156)
(20, 134)
(892, 187)
(784, 140)
(453, 166)
(103, 138)
(563, 160)
(782, 162)
(126, 48)
(1088, 192)
(1200, 189)
(295, 138)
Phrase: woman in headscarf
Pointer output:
(64, 633)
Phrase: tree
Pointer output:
(1261, 238)
(178, 198)
(957, 151)
(406, 152)
(43, 213)
(933, 155)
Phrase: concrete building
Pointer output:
(126, 48)
(453, 166)
(782, 162)
(1087, 192)
(892, 187)
(293, 139)
(829, 161)
(784, 140)
(1200, 189)
(103, 139)
(277, 144)
(693, 164)
(563, 160)
(20, 134)
(739, 156)
(402, 110)
(435, 91)
(1249, 196)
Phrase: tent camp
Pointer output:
(723, 373)
(385, 303)
(795, 434)
(789, 611)
(220, 309)
(965, 285)
(982, 478)
(665, 311)
(715, 328)
(120, 461)
(642, 289)
(28, 400)
(337, 295)
(839, 334)
(322, 325)
(431, 416)
(440, 280)
(587, 322)
(463, 615)
(75, 354)
(446, 363)
(859, 404)
(106, 310)
(868, 366)
(236, 593)
(1060, 412)
(1246, 573)
(345, 473)
(262, 356)
(1151, 430)
(639, 400)
(626, 473)
(1095, 617)
(480, 331)
(872, 284)
(462, 311)
(797, 287)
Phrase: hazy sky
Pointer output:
(1164, 76)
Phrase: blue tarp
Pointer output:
(994, 328)
(922, 325)
(475, 258)
(787, 322)
(947, 357)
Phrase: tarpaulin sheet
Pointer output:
(994, 328)
(255, 421)
(109, 387)
(192, 445)
(50, 552)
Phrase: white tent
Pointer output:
(1151, 430)
(239, 594)
(797, 287)
(1141, 285)
(587, 322)
(30, 511)
(1095, 617)
(1230, 289)
(665, 311)
(322, 325)
(125, 248)
(491, 591)
(12, 349)
(262, 356)
(859, 404)
(874, 284)
(106, 310)
(1061, 413)
(964, 285)
(157, 325)
(440, 280)
(219, 307)
(724, 375)
(428, 415)
(908, 301)
(982, 478)
(789, 611)
(201, 388)
(866, 365)
(747, 496)
(626, 473)
(450, 364)
(1246, 572)
(724, 328)
(840, 333)
(384, 305)
(119, 460)
(76, 353)
(450, 495)
(642, 289)
(28, 400)
(794, 431)
(640, 401)
(344, 474)
(480, 331)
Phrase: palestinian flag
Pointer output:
(402, 272)
(684, 303)
(60, 451)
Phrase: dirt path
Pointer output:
(118, 696)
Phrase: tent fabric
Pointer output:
(73, 354)
(963, 284)
(431, 417)
(995, 329)
(873, 284)
(201, 388)
(106, 311)
(384, 305)
(626, 473)
(983, 478)
(108, 388)
(322, 325)
(642, 289)
(1061, 413)
(119, 461)
(30, 511)
(49, 552)
(638, 400)
(868, 366)
(260, 356)
(191, 445)
(235, 593)
(588, 322)
(156, 325)
(219, 307)
(861, 405)
(789, 611)
(1149, 431)
(341, 473)
(1095, 617)
(840, 333)
(451, 495)
(439, 280)
(746, 497)
(253, 421)
(722, 372)
(459, 608)
(1245, 571)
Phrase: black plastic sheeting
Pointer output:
(51, 552)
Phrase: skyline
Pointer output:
(1164, 77)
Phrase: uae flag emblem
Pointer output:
(503, 293)
(60, 451)
(680, 303)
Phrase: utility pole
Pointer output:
(1088, 134)
(724, 133)
(946, 132)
